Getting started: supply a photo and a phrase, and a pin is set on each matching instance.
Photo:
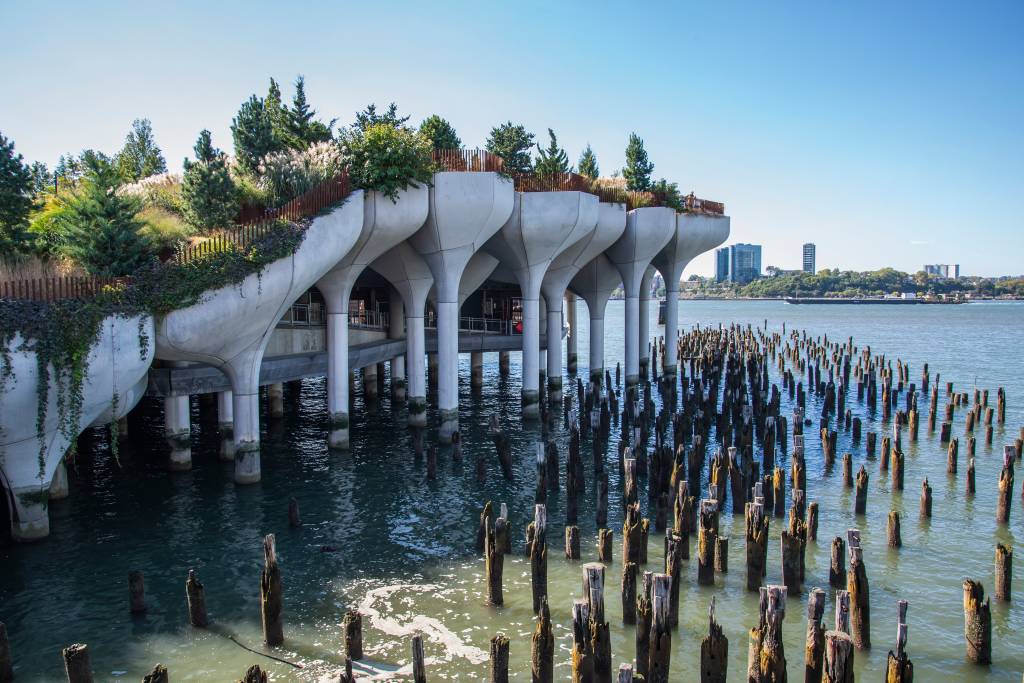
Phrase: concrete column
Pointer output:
(504, 363)
(644, 340)
(59, 483)
(246, 411)
(226, 425)
(597, 349)
(448, 366)
(275, 400)
(396, 318)
(177, 430)
(370, 382)
(554, 350)
(573, 337)
(531, 358)
(632, 334)
(415, 351)
(671, 329)
(30, 520)
(476, 368)
(337, 379)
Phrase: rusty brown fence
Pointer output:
(477, 160)
(551, 182)
(57, 288)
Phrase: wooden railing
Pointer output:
(551, 182)
(477, 160)
(57, 288)
(697, 205)
(305, 205)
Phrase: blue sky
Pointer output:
(887, 133)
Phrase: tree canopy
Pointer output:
(638, 167)
(440, 133)
(369, 117)
(140, 157)
(512, 143)
(207, 188)
(588, 164)
(253, 132)
(15, 197)
(553, 159)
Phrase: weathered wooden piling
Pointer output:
(157, 675)
(76, 663)
(481, 530)
(542, 647)
(1005, 490)
(926, 500)
(195, 596)
(537, 551)
(838, 667)
(674, 570)
(494, 559)
(270, 595)
(721, 554)
(254, 674)
(6, 661)
(870, 449)
(419, 667)
(432, 463)
(899, 668)
(779, 492)
(842, 611)
(602, 499)
(499, 659)
(604, 545)
(582, 658)
(814, 642)
(766, 656)
(847, 470)
(572, 543)
(293, 514)
(898, 469)
(714, 650)
(600, 645)
(136, 592)
(952, 454)
(861, 496)
(969, 484)
(1004, 572)
(628, 586)
(892, 532)
(812, 521)
(857, 587)
(660, 652)
(644, 618)
(352, 625)
(977, 623)
(347, 676)
(706, 535)
(757, 543)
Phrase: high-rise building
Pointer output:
(739, 263)
(809, 251)
(949, 271)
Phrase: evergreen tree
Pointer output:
(15, 197)
(588, 164)
(100, 226)
(512, 143)
(279, 118)
(440, 133)
(638, 167)
(553, 159)
(253, 134)
(669, 193)
(303, 127)
(42, 179)
(369, 117)
(207, 188)
(140, 157)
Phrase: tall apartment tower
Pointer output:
(809, 258)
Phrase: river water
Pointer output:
(403, 546)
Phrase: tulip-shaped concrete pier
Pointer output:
(595, 283)
(542, 225)
(695, 234)
(115, 380)
(465, 210)
(648, 230)
(386, 223)
(230, 328)
(411, 278)
(611, 222)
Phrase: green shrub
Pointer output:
(207, 189)
(288, 174)
(162, 228)
(387, 158)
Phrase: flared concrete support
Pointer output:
(554, 349)
(476, 369)
(275, 400)
(644, 339)
(465, 210)
(396, 317)
(595, 283)
(648, 230)
(178, 432)
(694, 235)
(116, 370)
(337, 380)
(246, 410)
(542, 225)
(226, 425)
(59, 483)
(415, 354)
(572, 338)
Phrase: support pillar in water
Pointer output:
(396, 328)
(275, 400)
(226, 425)
(476, 369)
(572, 337)
(504, 363)
(595, 283)
(553, 335)
(370, 382)
(178, 432)
(644, 337)
(59, 483)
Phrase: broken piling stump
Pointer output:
(352, 625)
(419, 668)
(1004, 572)
(814, 642)
(542, 647)
(499, 659)
(977, 623)
(195, 595)
(838, 667)
(76, 663)
(270, 595)
(714, 650)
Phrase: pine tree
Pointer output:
(100, 226)
(207, 188)
(440, 133)
(588, 164)
(253, 134)
(42, 179)
(553, 159)
(669, 193)
(513, 144)
(638, 167)
(369, 117)
(140, 157)
(303, 127)
(278, 115)
(15, 198)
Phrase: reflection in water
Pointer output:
(404, 545)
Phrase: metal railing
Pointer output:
(58, 288)
(478, 160)
(369, 319)
(304, 315)
(476, 325)
(551, 182)
(305, 205)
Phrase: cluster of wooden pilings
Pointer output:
(721, 387)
